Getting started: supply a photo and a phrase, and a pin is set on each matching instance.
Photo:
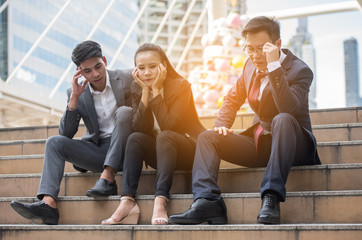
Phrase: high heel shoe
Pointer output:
(160, 220)
(130, 219)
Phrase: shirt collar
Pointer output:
(108, 84)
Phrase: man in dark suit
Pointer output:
(276, 84)
(103, 101)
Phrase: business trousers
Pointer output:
(288, 145)
(168, 152)
(84, 154)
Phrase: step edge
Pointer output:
(226, 227)
(222, 170)
(332, 143)
(189, 196)
(336, 125)
(22, 157)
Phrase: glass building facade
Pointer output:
(3, 43)
(23, 22)
(351, 67)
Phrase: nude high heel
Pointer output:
(160, 220)
(130, 219)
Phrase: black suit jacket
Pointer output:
(121, 85)
(175, 111)
(286, 92)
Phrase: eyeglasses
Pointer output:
(252, 51)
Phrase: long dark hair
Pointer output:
(171, 72)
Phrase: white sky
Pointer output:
(328, 32)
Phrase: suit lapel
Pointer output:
(117, 88)
(250, 74)
(89, 105)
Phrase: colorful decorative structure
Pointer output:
(223, 63)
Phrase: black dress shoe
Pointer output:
(38, 210)
(270, 210)
(202, 210)
(79, 169)
(103, 188)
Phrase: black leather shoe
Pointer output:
(270, 210)
(38, 210)
(202, 210)
(103, 188)
(79, 169)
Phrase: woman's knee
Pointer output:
(136, 138)
(166, 136)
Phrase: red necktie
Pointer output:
(253, 100)
(255, 89)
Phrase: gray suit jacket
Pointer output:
(121, 85)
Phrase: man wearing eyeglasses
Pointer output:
(276, 85)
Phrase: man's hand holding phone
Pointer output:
(77, 90)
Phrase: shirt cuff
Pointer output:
(273, 66)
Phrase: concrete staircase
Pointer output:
(323, 202)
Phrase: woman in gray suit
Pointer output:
(166, 128)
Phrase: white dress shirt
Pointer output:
(271, 67)
(105, 105)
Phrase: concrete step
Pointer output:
(329, 152)
(300, 207)
(336, 115)
(340, 152)
(242, 121)
(37, 132)
(318, 117)
(238, 180)
(174, 232)
(333, 132)
(338, 132)
(19, 164)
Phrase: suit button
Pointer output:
(187, 135)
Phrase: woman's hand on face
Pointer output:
(138, 80)
(161, 77)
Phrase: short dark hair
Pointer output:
(262, 23)
(171, 72)
(85, 50)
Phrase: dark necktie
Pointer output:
(253, 101)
